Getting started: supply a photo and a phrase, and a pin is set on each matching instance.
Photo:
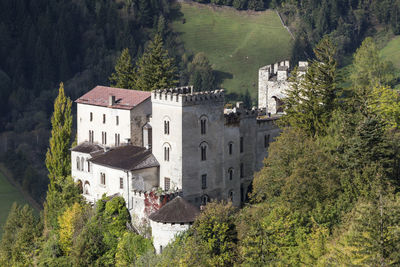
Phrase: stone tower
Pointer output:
(272, 84)
(188, 141)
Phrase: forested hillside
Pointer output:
(44, 42)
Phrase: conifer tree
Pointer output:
(155, 69)
(123, 77)
(312, 98)
(62, 190)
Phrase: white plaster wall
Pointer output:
(137, 207)
(84, 124)
(84, 175)
(163, 234)
(172, 111)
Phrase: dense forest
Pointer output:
(45, 42)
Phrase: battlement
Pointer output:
(238, 113)
(280, 70)
(184, 96)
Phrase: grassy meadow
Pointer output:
(391, 51)
(8, 195)
(237, 43)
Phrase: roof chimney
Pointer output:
(111, 100)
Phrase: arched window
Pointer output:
(230, 148)
(230, 195)
(205, 199)
(230, 173)
(78, 163)
(203, 124)
(102, 178)
(203, 151)
(166, 127)
(167, 149)
(88, 165)
(86, 188)
(82, 164)
(80, 186)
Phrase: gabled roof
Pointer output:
(127, 158)
(87, 148)
(124, 98)
(177, 210)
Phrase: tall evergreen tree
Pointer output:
(312, 98)
(155, 69)
(123, 77)
(62, 190)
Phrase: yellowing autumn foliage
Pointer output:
(69, 221)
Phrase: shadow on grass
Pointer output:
(221, 76)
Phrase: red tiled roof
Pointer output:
(124, 98)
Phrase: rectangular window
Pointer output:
(91, 116)
(117, 120)
(204, 181)
(230, 148)
(90, 137)
(104, 138)
(241, 170)
(121, 183)
(241, 144)
(167, 183)
(117, 139)
(266, 140)
(102, 178)
(88, 166)
(104, 118)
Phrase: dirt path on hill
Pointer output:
(28, 198)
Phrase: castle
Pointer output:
(169, 152)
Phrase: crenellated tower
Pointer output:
(187, 139)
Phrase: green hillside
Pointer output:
(8, 195)
(392, 51)
(237, 43)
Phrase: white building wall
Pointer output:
(167, 110)
(84, 175)
(110, 127)
(164, 233)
